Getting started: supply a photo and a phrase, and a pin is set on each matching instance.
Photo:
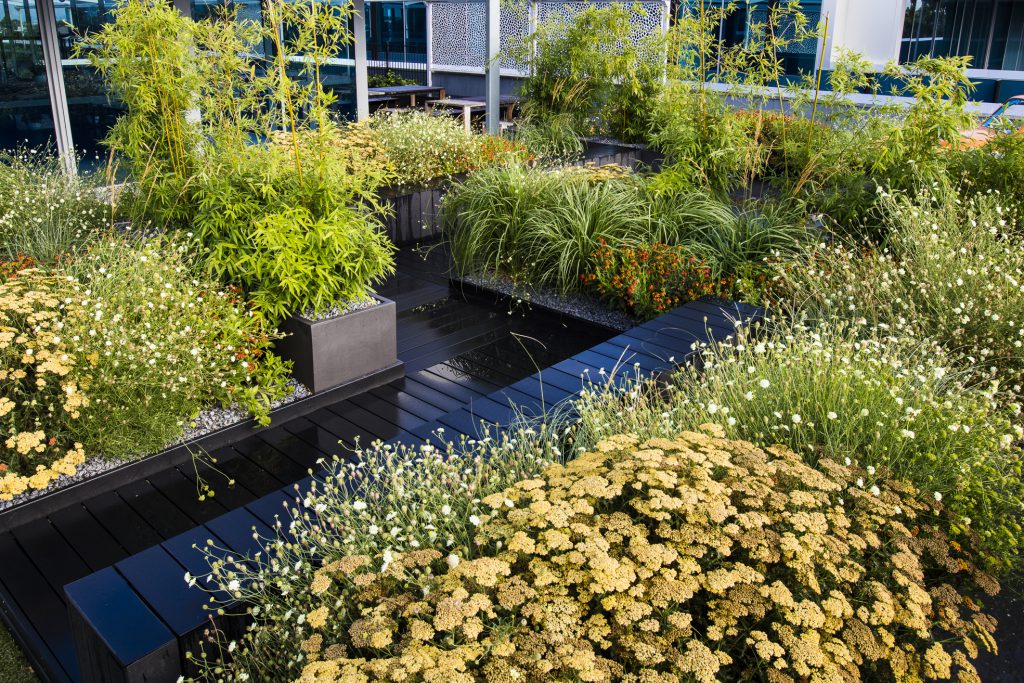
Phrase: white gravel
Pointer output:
(207, 422)
(339, 309)
(580, 306)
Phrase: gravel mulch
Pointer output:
(580, 306)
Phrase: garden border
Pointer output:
(135, 470)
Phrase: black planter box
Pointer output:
(327, 353)
(415, 212)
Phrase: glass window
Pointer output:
(991, 32)
(25, 114)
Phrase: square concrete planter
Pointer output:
(336, 351)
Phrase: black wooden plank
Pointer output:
(271, 508)
(550, 377)
(303, 454)
(152, 506)
(88, 537)
(464, 422)
(697, 318)
(490, 410)
(633, 357)
(648, 345)
(453, 350)
(394, 414)
(320, 437)
(44, 608)
(454, 383)
(403, 400)
(462, 335)
(379, 427)
(340, 427)
(130, 529)
(433, 397)
(271, 459)
(235, 529)
(183, 493)
(250, 479)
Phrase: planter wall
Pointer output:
(415, 213)
(336, 351)
(601, 153)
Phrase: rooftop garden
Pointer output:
(835, 494)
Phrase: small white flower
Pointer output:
(832, 415)
(474, 520)
(233, 585)
(938, 497)
(446, 510)
(875, 491)
(359, 506)
(764, 384)
(452, 560)
(871, 471)
(797, 419)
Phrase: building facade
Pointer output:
(442, 42)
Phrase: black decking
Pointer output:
(455, 353)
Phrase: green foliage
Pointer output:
(593, 70)
(423, 148)
(389, 78)
(158, 342)
(14, 668)
(45, 212)
(553, 136)
(542, 226)
(950, 271)
(292, 244)
(292, 221)
(839, 391)
(545, 226)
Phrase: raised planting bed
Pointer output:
(602, 151)
(333, 351)
(58, 497)
(415, 212)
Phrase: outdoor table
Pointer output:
(507, 102)
(467, 106)
(410, 91)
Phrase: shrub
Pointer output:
(423, 147)
(691, 558)
(951, 271)
(832, 391)
(590, 69)
(293, 241)
(157, 342)
(552, 136)
(386, 501)
(44, 211)
(650, 280)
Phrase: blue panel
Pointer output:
(118, 615)
(160, 581)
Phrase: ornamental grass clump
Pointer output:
(46, 212)
(386, 501)
(687, 558)
(838, 392)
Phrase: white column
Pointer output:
(359, 53)
(55, 84)
(430, 43)
(493, 73)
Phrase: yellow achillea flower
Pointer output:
(693, 558)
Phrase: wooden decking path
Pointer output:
(455, 352)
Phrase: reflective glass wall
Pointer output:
(990, 31)
(25, 114)
(91, 110)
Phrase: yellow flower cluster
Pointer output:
(13, 484)
(39, 390)
(694, 558)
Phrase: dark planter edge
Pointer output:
(487, 295)
(134, 470)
